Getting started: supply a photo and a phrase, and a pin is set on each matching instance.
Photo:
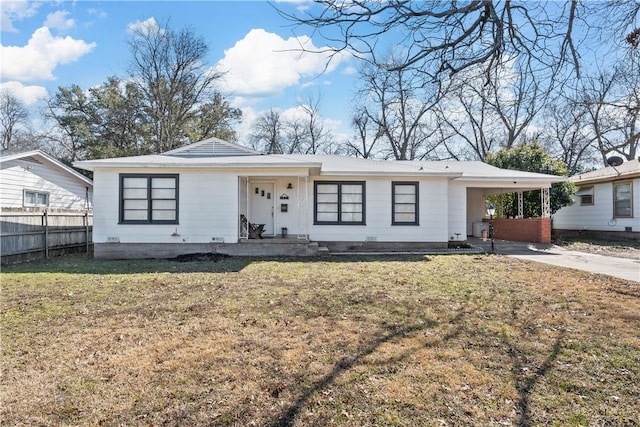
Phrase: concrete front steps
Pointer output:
(276, 247)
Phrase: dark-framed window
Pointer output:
(148, 198)
(339, 202)
(586, 200)
(35, 198)
(622, 200)
(404, 203)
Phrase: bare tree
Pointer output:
(465, 116)
(399, 105)
(612, 104)
(318, 137)
(301, 132)
(483, 115)
(566, 134)
(13, 119)
(296, 136)
(170, 71)
(267, 133)
(447, 37)
(517, 98)
(366, 138)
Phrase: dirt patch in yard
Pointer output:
(620, 249)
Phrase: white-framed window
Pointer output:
(35, 198)
(404, 205)
(148, 199)
(622, 200)
(339, 202)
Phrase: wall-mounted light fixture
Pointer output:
(289, 186)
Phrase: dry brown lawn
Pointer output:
(402, 341)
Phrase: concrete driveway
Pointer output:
(622, 268)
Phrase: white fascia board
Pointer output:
(515, 183)
(51, 161)
(391, 174)
(96, 164)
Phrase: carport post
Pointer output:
(520, 204)
(545, 202)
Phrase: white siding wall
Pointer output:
(208, 209)
(477, 202)
(457, 211)
(598, 216)
(65, 190)
(433, 210)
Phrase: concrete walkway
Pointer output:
(622, 268)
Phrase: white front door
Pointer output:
(262, 204)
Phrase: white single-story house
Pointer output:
(209, 196)
(607, 200)
(33, 180)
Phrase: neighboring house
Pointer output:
(607, 200)
(33, 180)
(45, 207)
(201, 197)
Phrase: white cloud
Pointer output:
(263, 63)
(59, 21)
(143, 27)
(243, 129)
(101, 14)
(349, 71)
(42, 54)
(15, 11)
(300, 5)
(28, 95)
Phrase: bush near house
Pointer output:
(532, 157)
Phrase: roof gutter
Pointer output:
(93, 165)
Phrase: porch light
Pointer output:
(491, 211)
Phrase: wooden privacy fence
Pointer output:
(31, 235)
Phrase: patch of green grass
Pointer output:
(385, 341)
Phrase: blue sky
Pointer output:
(50, 44)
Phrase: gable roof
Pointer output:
(627, 170)
(212, 147)
(38, 156)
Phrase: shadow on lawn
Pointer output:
(192, 263)
(390, 333)
(527, 376)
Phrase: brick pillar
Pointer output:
(545, 230)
